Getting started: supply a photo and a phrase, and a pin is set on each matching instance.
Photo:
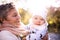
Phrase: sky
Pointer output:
(33, 5)
(30, 3)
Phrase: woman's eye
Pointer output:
(14, 15)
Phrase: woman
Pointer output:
(11, 26)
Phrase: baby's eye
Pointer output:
(41, 19)
(35, 18)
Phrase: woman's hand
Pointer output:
(45, 37)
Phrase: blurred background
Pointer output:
(53, 13)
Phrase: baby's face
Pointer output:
(38, 20)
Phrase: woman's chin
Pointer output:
(17, 25)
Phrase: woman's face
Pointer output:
(13, 17)
(38, 20)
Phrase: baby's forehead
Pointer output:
(37, 16)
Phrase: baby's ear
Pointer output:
(46, 23)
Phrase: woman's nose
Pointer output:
(18, 17)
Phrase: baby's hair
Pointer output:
(4, 9)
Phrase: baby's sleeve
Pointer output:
(43, 33)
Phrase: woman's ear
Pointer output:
(5, 21)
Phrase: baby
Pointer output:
(37, 27)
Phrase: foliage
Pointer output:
(54, 20)
(25, 15)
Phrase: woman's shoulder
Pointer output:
(6, 35)
(5, 32)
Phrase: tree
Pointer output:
(25, 15)
(54, 19)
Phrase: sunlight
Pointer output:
(33, 5)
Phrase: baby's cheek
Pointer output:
(42, 22)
